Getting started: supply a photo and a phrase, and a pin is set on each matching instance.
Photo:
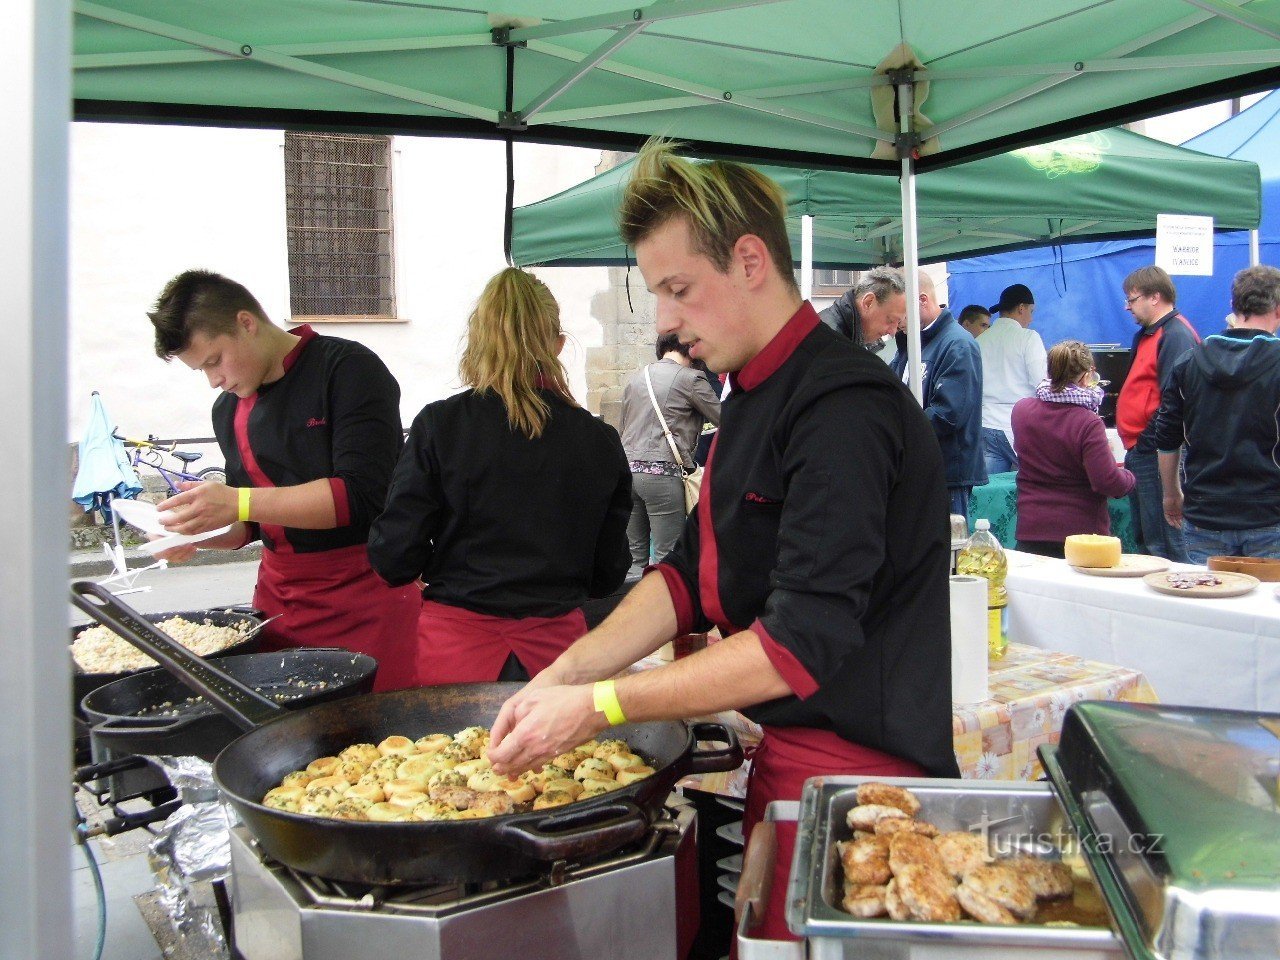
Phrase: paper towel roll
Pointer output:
(968, 639)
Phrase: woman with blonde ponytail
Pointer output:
(509, 503)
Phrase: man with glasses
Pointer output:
(1164, 335)
(1013, 364)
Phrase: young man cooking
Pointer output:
(818, 547)
(310, 430)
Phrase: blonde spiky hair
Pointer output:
(720, 201)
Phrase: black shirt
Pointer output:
(501, 524)
(335, 415)
(822, 526)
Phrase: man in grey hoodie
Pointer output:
(1222, 401)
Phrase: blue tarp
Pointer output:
(1077, 286)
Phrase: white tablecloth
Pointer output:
(1211, 653)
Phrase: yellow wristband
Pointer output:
(245, 493)
(604, 696)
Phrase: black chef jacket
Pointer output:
(501, 524)
(823, 527)
(335, 415)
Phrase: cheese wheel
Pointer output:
(1092, 550)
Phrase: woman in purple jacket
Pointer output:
(1066, 468)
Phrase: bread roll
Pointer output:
(386, 813)
(432, 743)
(323, 766)
(432, 810)
(621, 760)
(417, 768)
(594, 769)
(337, 784)
(407, 799)
(372, 792)
(365, 753)
(571, 787)
(632, 774)
(298, 778)
(397, 746)
(593, 788)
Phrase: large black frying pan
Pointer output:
(152, 713)
(497, 848)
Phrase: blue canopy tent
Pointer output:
(1077, 287)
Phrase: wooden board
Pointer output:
(1131, 565)
(1232, 585)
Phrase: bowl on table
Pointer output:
(1265, 569)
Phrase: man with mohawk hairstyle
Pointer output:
(819, 546)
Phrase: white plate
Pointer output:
(146, 517)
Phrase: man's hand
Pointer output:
(203, 505)
(1173, 509)
(540, 722)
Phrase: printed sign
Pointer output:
(1184, 245)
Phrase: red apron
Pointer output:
(785, 759)
(334, 599)
(462, 646)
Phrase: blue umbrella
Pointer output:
(105, 471)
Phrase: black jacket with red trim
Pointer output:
(1155, 350)
(501, 524)
(334, 415)
(822, 526)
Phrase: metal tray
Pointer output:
(1179, 811)
(1018, 817)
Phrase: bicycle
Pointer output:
(150, 453)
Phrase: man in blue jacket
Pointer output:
(1222, 401)
(951, 382)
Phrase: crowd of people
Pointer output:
(1197, 420)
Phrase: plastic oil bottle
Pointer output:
(983, 557)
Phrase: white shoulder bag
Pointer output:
(692, 481)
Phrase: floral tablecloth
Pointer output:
(997, 501)
(1030, 690)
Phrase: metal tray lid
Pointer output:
(1178, 810)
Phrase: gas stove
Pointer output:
(640, 903)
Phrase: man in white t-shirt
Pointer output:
(1013, 364)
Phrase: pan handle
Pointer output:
(137, 732)
(568, 835)
(712, 760)
(245, 707)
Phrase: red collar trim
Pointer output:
(306, 335)
(776, 352)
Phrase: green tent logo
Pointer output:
(1082, 154)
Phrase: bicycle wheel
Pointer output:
(216, 474)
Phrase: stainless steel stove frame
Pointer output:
(636, 905)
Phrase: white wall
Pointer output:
(150, 201)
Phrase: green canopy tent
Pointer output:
(1095, 185)
(795, 81)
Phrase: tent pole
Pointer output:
(1254, 257)
(910, 254)
(806, 257)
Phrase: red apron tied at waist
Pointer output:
(784, 760)
(332, 598)
(456, 645)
